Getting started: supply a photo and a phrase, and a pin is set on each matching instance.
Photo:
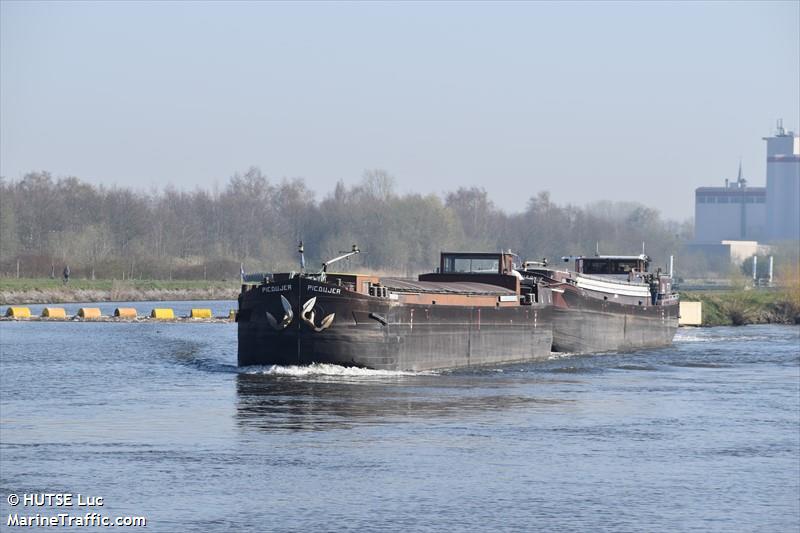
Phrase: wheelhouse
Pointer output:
(476, 263)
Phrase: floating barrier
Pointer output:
(89, 313)
(162, 313)
(125, 312)
(54, 312)
(200, 313)
(18, 312)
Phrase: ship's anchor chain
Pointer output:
(308, 316)
(288, 315)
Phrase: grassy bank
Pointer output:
(46, 290)
(740, 307)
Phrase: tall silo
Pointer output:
(783, 185)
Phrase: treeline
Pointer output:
(119, 233)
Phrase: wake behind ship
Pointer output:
(476, 310)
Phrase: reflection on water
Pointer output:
(273, 402)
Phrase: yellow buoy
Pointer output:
(200, 313)
(125, 312)
(54, 312)
(18, 312)
(163, 313)
(232, 315)
(89, 312)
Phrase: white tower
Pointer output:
(783, 185)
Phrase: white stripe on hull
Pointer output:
(610, 287)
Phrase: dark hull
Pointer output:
(383, 334)
(586, 324)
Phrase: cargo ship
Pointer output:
(607, 303)
(476, 309)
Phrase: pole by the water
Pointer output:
(771, 262)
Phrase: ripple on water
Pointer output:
(160, 421)
(643, 368)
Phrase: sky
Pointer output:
(630, 101)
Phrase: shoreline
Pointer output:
(61, 295)
(746, 306)
(720, 308)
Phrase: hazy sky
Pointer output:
(630, 101)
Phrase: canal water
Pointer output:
(156, 419)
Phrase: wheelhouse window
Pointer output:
(466, 264)
(605, 266)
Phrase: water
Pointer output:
(157, 419)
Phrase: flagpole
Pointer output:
(302, 258)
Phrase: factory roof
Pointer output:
(733, 191)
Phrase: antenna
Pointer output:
(643, 248)
(740, 181)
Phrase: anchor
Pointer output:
(308, 316)
(288, 315)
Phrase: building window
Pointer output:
(710, 199)
(701, 199)
(722, 199)
(749, 200)
(760, 200)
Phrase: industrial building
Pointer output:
(770, 214)
(734, 212)
(783, 186)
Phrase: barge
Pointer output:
(476, 309)
(607, 303)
